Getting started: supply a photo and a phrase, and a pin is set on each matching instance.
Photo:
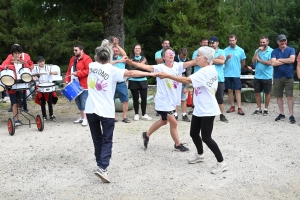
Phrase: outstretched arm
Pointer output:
(181, 79)
(137, 73)
(145, 67)
(189, 63)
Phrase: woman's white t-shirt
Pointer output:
(205, 83)
(168, 94)
(102, 81)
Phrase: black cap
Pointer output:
(213, 39)
(40, 58)
(281, 37)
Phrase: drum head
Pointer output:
(7, 80)
(26, 77)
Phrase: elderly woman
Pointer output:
(205, 83)
(100, 108)
(168, 95)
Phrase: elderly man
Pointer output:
(282, 60)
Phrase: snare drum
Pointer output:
(20, 86)
(46, 87)
(8, 77)
(72, 90)
(2, 87)
(25, 74)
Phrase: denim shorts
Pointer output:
(81, 99)
(122, 91)
(183, 95)
(233, 83)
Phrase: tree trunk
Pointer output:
(113, 20)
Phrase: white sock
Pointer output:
(183, 114)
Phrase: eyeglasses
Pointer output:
(170, 53)
(282, 41)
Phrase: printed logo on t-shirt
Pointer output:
(175, 84)
(169, 83)
(197, 91)
(98, 84)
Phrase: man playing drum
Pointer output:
(10, 65)
(44, 78)
(78, 70)
(26, 61)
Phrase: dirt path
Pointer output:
(58, 163)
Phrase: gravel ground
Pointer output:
(58, 163)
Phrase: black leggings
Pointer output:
(205, 125)
(135, 96)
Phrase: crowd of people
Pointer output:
(211, 71)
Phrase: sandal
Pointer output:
(126, 120)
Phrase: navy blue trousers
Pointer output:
(102, 138)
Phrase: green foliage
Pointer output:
(51, 28)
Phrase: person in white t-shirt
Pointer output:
(100, 108)
(168, 95)
(205, 83)
(44, 75)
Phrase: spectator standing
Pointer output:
(138, 86)
(235, 60)
(263, 74)
(158, 55)
(218, 62)
(121, 89)
(182, 57)
(282, 59)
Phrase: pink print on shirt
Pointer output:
(101, 85)
(197, 91)
(175, 84)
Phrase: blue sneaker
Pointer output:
(18, 123)
(280, 117)
(292, 119)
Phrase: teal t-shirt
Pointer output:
(120, 65)
(263, 71)
(220, 67)
(197, 67)
(233, 65)
(158, 54)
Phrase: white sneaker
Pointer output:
(196, 158)
(5, 99)
(79, 120)
(84, 122)
(219, 168)
(136, 117)
(146, 117)
(102, 174)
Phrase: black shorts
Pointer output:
(137, 85)
(262, 85)
(164, 114)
